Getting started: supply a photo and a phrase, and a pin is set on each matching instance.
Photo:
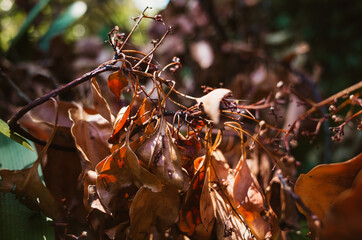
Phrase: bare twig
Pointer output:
(299, 201)
(153, 49)
(318, 105)
(13, 122)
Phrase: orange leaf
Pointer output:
(112, 182)
(117, 81)
(320, 187)
(253, 207)
(190, 210)
(345, 214)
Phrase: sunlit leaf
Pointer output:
(4, 129)
(114, 182)
(320, 187)
(211, 103)
(344, 216)
(253, 206)
(117, 81)
(100, 103)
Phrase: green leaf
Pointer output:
(16, 220)
(4, 129)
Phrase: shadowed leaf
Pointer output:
(153, 210)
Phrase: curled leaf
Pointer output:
(100, 104)
(160, 153)
(253, 207)
(141, 175)
(153, 210)
(320, 187)
(211, 103)
(90, 132)
(117, 81)
(114, 182)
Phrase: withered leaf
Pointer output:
(321, 186)
(211, 103)
(34, 194)
(90, 132)
(142, 176)
(117, 81)
(153, 209)
(229, 225)
(190, 209)
(119, 123)
(100, 104)
(112, 182)
(160, 152)
(206, 206)
(344, 217)
(253, 207)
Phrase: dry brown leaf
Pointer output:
(61, 171)
(117, 81)
(253, 206)
(100, 103)
(114, 182)
(159, 152)
(211, 103)
(228, 226)
(344, 217)
(39, 121)
(90, 132)
(320, 188)
(153, 210)
(35, 195)
(206, 206)
(141, 176)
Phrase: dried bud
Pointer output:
(332, 108)
(158, 18)
(175, 59)
(278, 95)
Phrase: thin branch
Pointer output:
(299, 201)
(318, 106)
(154, 49)
(13, 122)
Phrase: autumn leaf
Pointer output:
(190, 216)
(114, 183)
(90, 132)
(160, 152)
(141, 176)
(211, 103)
(320, 188)
(100, 103)
(253, 206)
(150, 209)
(34, 194)
(206, 206)
(117, 81)
(344, 216)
